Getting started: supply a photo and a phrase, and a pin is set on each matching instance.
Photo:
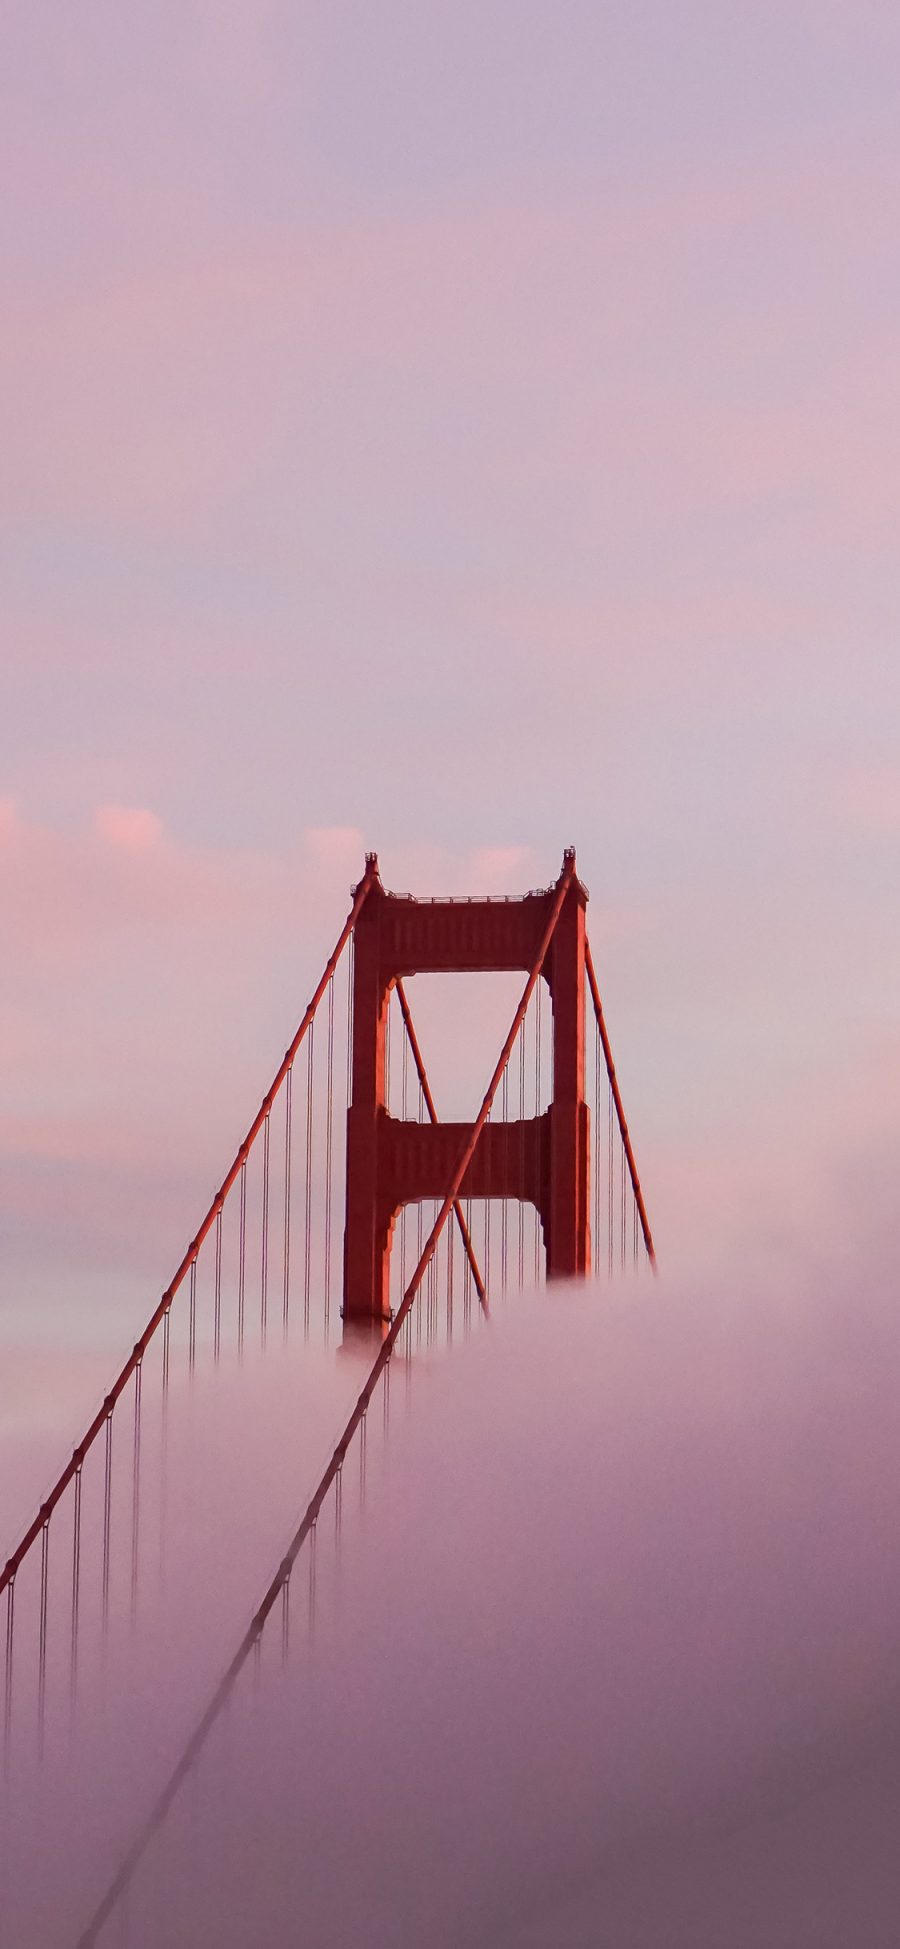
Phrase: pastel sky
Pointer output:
(462, 430)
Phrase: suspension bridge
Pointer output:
(351, 1210)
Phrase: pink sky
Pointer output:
(463, 430)
(458, 430)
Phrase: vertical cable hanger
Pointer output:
(264, 1230)
(616, 1101)
(487, 1208)
(136, 1490)
(329, 1134)
(107, 1519)
(469, 1278)
(521, 1049)
(420, 1213)
(622, 1197)
(217, 1302)
(242, 1253)
(42, 1633)
(8, 1677)
(610, 1168)
(76, 1585)
(598, 1152)
(537, 1112)
(285, 1617)
(285, 1299)
(451, 1237)
(504, 1111)
(307, 1240)
(351, 962)
(404, 1110)
(164, 1451)
(192, 1315)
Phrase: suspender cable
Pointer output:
(467, 1289)
(610, 1215)
(217, 1304)
(420, 1217)
(122, 1379)
(42, 1633)
(361, 1445)
(307, 1241)
(622, 1199)
(350, 964)
(404, 1107)
(504, 1110)
(537, 1112)
(620, 1113)
(429, 1292)
(76, 1585)
(329, 1135)
(7, 1689)
(164, 1453)
(192, 1327)
(285, 1618)
(264, 1243)
(107, 1517)
(522, 1155)
(136, 1490)
(285, 1300)
(312, 1580)
(598, 1105)
(242, 1252)
(487, 1216)
(449, 1236)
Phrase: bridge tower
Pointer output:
(544, 1160)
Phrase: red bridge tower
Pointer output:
(544, 1160)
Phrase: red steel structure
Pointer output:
(543, 1160)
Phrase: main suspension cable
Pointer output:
(120, 1383)
(332, 1473)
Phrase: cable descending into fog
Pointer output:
(103, 1423)
(333, 1473)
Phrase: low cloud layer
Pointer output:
(606, 1653)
